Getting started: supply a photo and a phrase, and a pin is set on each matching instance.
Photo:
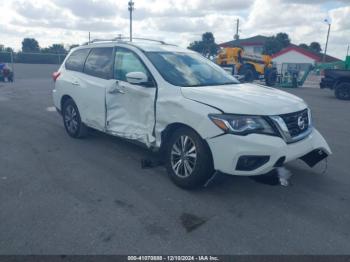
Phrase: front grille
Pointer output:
(297, 122)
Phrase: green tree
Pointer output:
(72, 46)
(276, 43)
(207, 46)
(316, 47)
(5, 49)
(30, 45)
(9, 49)
(54, 49)
(303, 45)
(196, 46)
(283, 38)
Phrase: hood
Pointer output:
(248, 99)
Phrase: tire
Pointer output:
(188, 166)
(270, 77)
(342, 91)
(248, 72)
(72, 121)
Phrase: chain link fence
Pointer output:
(31, 65)
(31, 58)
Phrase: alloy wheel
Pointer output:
(183, 156)
(71, 119)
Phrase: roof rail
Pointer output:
(151, 40)
(120, 39)
(103, 40)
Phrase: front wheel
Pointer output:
(342, 91)
(248, 73)
(188, 159)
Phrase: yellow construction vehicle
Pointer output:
(249, 66)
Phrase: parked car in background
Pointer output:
(177, 102)
(337, 80)
(6, 73)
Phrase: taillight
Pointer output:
(55, 75)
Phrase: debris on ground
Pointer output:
(284, 175)
(279, 176)
(211, 179)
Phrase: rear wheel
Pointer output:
(342, 91)
(248, 72)
(270, 76)
(188, 159)
(72, 121)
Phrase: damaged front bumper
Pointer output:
(258, 154)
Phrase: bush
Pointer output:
(38, 58)
(32, 58)
(5, 57)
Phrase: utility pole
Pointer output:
(131, 9)
(12, 64)
(347, 52)
(89, 38)
(325, 50)
(236, 36)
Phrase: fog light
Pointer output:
(249, 163)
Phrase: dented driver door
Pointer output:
(130, 108)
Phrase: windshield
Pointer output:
(189, 69)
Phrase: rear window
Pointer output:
(99, 63)
(75, 61)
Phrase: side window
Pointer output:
(99, 62)
(126, 62)
(76, 60)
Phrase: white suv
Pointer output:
(177, 102)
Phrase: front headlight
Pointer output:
(242, 124)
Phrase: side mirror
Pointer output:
(136, 78)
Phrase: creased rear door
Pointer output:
(130, 110)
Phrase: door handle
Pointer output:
(75, 83)
(116, 89)
(120, 91)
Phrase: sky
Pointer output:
(174, 21)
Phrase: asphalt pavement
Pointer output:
(60, 195)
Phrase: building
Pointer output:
(253, 45)
(298, 57)
(291, 57)
(296, 54)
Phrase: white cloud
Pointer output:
(175, 21)
(304, 22)
(89, 8)
(340, 18)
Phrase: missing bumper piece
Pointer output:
(314, 157)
